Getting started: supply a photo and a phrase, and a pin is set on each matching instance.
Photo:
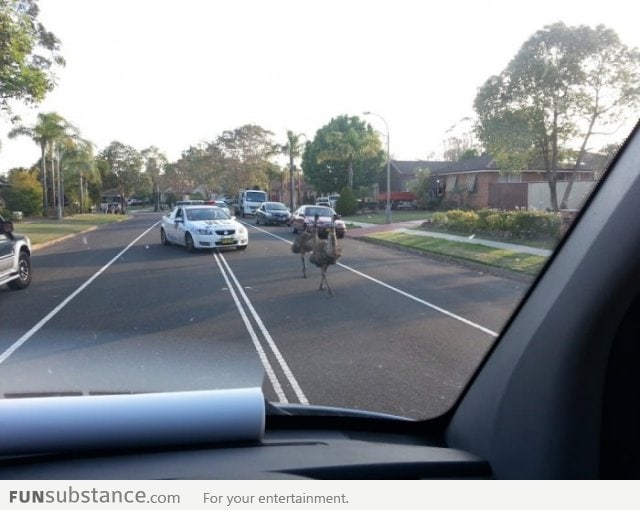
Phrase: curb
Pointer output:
(482, 268)
(46, 244)
(57, 240)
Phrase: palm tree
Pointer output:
(78, 161)
(292, 149)
(49, 128)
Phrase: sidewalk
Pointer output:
(408, 227)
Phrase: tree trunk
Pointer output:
(553, 192)
(574, 173)
(54, 194)
(60, 189)
(43, 169)
(291, 182)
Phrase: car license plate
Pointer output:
(228, 240)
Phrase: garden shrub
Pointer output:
(522, 224)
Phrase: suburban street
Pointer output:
(112, 310)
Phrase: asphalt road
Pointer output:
(112, 310)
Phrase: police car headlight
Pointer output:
(205, 232)
(242, 229)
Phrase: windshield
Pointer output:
(320, 211)
(253, 196)
(275, 207)
(206, 213)
(458, 142)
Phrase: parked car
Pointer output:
(324, 201)
(202, 226)
(15, 257)
(273, 212)
(303, 219)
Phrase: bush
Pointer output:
(462, 221)
(522, 224)
(26, 199)
(347, 204)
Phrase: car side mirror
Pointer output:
(6, 227)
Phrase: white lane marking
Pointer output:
(18, 343)
(274, 348)
(254, 337)
(422, 302)
(403, 293)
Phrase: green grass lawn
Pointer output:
(379, 217)
(499, 258)
(41, 230)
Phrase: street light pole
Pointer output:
(388, 206)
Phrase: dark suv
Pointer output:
(15, 257)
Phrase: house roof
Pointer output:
(592, 161)
(411, 167)
(484, 163)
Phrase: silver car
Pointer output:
(275, 213)
(15, 257)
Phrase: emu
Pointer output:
(324, 252)
(303, 245)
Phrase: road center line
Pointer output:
(267, 336)
(5, 355)
(403, 293)
(252, 333)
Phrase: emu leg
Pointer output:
(324, 280)
(304, 266)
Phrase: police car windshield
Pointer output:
(206, 213)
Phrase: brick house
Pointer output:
(478, 183)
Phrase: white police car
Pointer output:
(202, 227)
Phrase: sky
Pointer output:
(176, 73)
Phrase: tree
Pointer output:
(23, 193)
(292, 149)
(422, 187)
(48, 132)
(29, 55)
(462, 143)
(78, 165)
(125, 164)
(274, 174)
(344, 152)
(347, 204)
(245, 157)
(154, 164)
(200, 166)
(564, 85)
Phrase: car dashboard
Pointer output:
(222, 434)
